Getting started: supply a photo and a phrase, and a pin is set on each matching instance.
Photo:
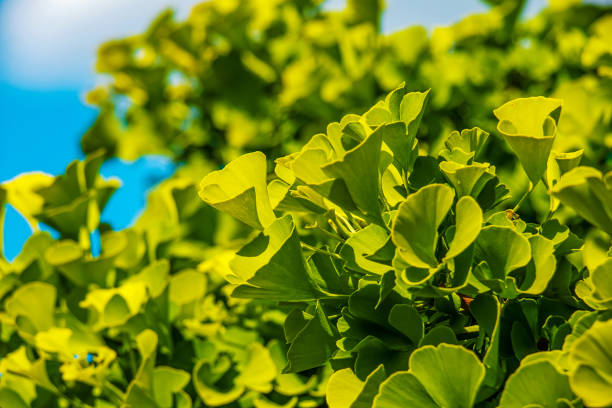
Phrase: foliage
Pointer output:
(173, 88)
(389, 260)
(428, 288)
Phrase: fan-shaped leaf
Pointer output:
(240, 190)
(585, 190)
(468, 217)
(538, 384)
(529, 126)
(415, 227)
(591, 365)
(443, 376)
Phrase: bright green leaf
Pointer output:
(442, 376)
(273, 266)
(415, 228)
(586, 191)
(313, 345)
(591, 365)
(468, 224)
(537, 384)
(529, 126)
(503, 249)
(240, 190)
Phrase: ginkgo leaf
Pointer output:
(274, 267)
(33, 306)
(503, 249)
(467, 179)
(240, 190)
(312, 344)
(529, 125)
(590, 374)
(469, 142)
(21, 194)
(552, 386)
(589, 193)
(445, 375)
(346, 390)
(362, 182)
(468, 217)
(415, 228)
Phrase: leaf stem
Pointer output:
(339, 228)
(551, 210)
(113, 392)
(549, 215)
(405, 181)
(132, 357)
(346, 223)
(529, 190)
(319, 250)
(330, 296)
(472, 329)
(329, 234)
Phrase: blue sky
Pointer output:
(47, 50)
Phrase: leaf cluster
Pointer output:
(412, 277)
(390, 260)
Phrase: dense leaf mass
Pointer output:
(338, 232)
